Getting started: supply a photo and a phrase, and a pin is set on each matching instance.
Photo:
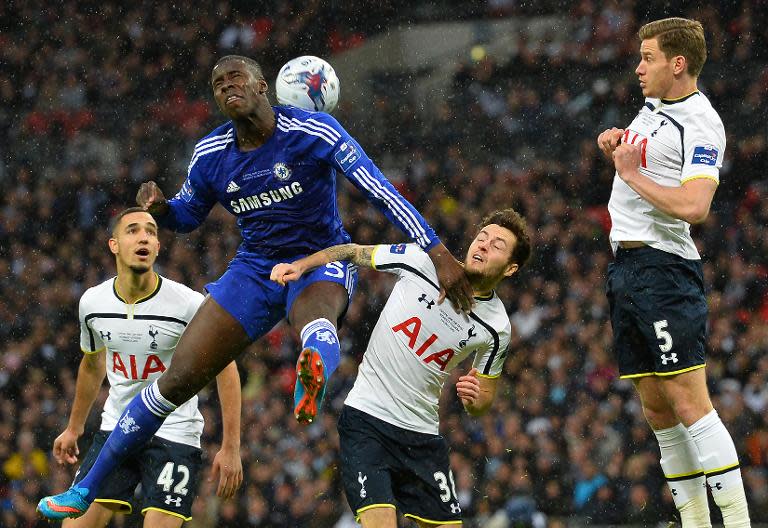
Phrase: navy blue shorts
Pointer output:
(169, 474)
(658, 312)
(387, 466)
(258, 303)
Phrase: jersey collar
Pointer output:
(141, 299)
(679, 99)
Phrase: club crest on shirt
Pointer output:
(282, 171)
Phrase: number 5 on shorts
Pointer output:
(663, 335)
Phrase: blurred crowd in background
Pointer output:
(97, 97)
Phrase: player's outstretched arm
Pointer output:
(227, 463)
(361, 255)
(476, 392)
(90, 376)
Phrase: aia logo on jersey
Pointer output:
(411, 328)
(633, 138)
(152, 364)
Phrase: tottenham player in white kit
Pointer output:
(129, 327)
(392, 455)
(667, 170)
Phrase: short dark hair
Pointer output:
(115, 221)
(254, 66)
(512, 220)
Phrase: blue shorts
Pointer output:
(258, 303)
(658, 312)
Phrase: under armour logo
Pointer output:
(455, 508)
(717, 486)
(152, 334)
(105, 335)
(429, 302)
(170, 500)
(326, 336)
(663, 122)
(470, 334)
(666, 359)
(674, 491)
(127, 424)
(361, 479)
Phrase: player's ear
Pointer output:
(262, 86)
(113, 247)
(511, 269)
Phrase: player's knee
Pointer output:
(660, 416)
(691, 410)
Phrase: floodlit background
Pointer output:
(466, 107)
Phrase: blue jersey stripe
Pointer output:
(333, 133)
(293, 125)
(398, 210)
(205, 142)
(219, 146)
(419, 233)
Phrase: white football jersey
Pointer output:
(416, 343)
(140, 339)
(680, 140)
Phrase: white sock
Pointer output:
(685, 475)
(720, 461)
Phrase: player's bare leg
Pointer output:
(97, 516)
(384, 517)
(687, 397)
(315, 311)
(158, 519)
(210, 342)
(423, 524)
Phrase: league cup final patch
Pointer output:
(346, 156)
(704, 155)
(187, 192)
(397, 248)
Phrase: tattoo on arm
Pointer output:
(360, 255)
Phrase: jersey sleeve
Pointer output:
(90, 341)
(195, 300)
(191, 204)
(489, 360)
(704, 148)
(342, 152)
(403, 258)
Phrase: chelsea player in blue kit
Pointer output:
(275, 169)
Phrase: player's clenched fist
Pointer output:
(626, 159)
(284, 273)
(468, 388)
(152, 199)
(609, 140)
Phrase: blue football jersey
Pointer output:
(284, 192)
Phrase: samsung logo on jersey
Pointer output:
(265, 199)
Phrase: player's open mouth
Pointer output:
(232, 98)
(477, 258)
(143, 252)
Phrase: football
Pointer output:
(308, 82)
